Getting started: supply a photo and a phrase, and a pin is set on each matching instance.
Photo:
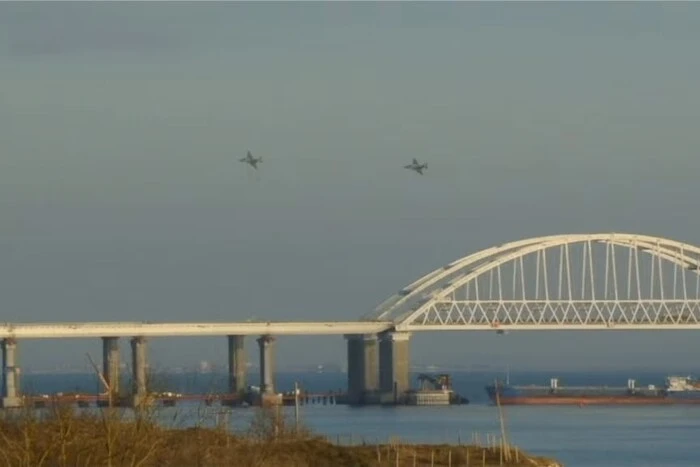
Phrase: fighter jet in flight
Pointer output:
(416, 166)
(252, 161)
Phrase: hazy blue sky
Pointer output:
(121, 197)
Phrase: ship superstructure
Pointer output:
(434, 390)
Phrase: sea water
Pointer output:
(653, 436)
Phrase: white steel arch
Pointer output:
(577, 281)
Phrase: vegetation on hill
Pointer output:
(62, 436)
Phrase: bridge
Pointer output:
(298, 328)
(605, 281)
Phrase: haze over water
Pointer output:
(122, 197)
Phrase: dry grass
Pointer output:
(63, 436)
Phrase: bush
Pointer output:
(61, 436)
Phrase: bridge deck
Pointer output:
(119, 329)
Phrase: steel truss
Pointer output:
(576, 314)
(586, 281)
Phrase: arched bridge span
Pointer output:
(576, 281)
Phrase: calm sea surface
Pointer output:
(582, 437)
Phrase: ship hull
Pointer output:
(580, 400)
(541, 395)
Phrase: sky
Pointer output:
(122, 198)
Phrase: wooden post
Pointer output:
(504, 440)
(228, 434)
(296, 408)
(277, 421)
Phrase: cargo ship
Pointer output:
(676, 390)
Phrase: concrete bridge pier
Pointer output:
(139, 367)
(237, 369)
(10, 375)
(110, 363)
(363, 370)
(394, 366)
(267, 364)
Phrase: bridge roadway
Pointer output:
(146, 329)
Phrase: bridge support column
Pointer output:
(236, 364)
(267, 364)
(394, 366)
(363, 369)
(110, 364)
(10, 381)
(139, 360)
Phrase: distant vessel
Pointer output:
(434, 390)
(677, 390)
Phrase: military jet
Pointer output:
(252, 161)
(416, 166)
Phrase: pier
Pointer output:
(172, 399)
(139, 392)
(378, 361)
(378, 369)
